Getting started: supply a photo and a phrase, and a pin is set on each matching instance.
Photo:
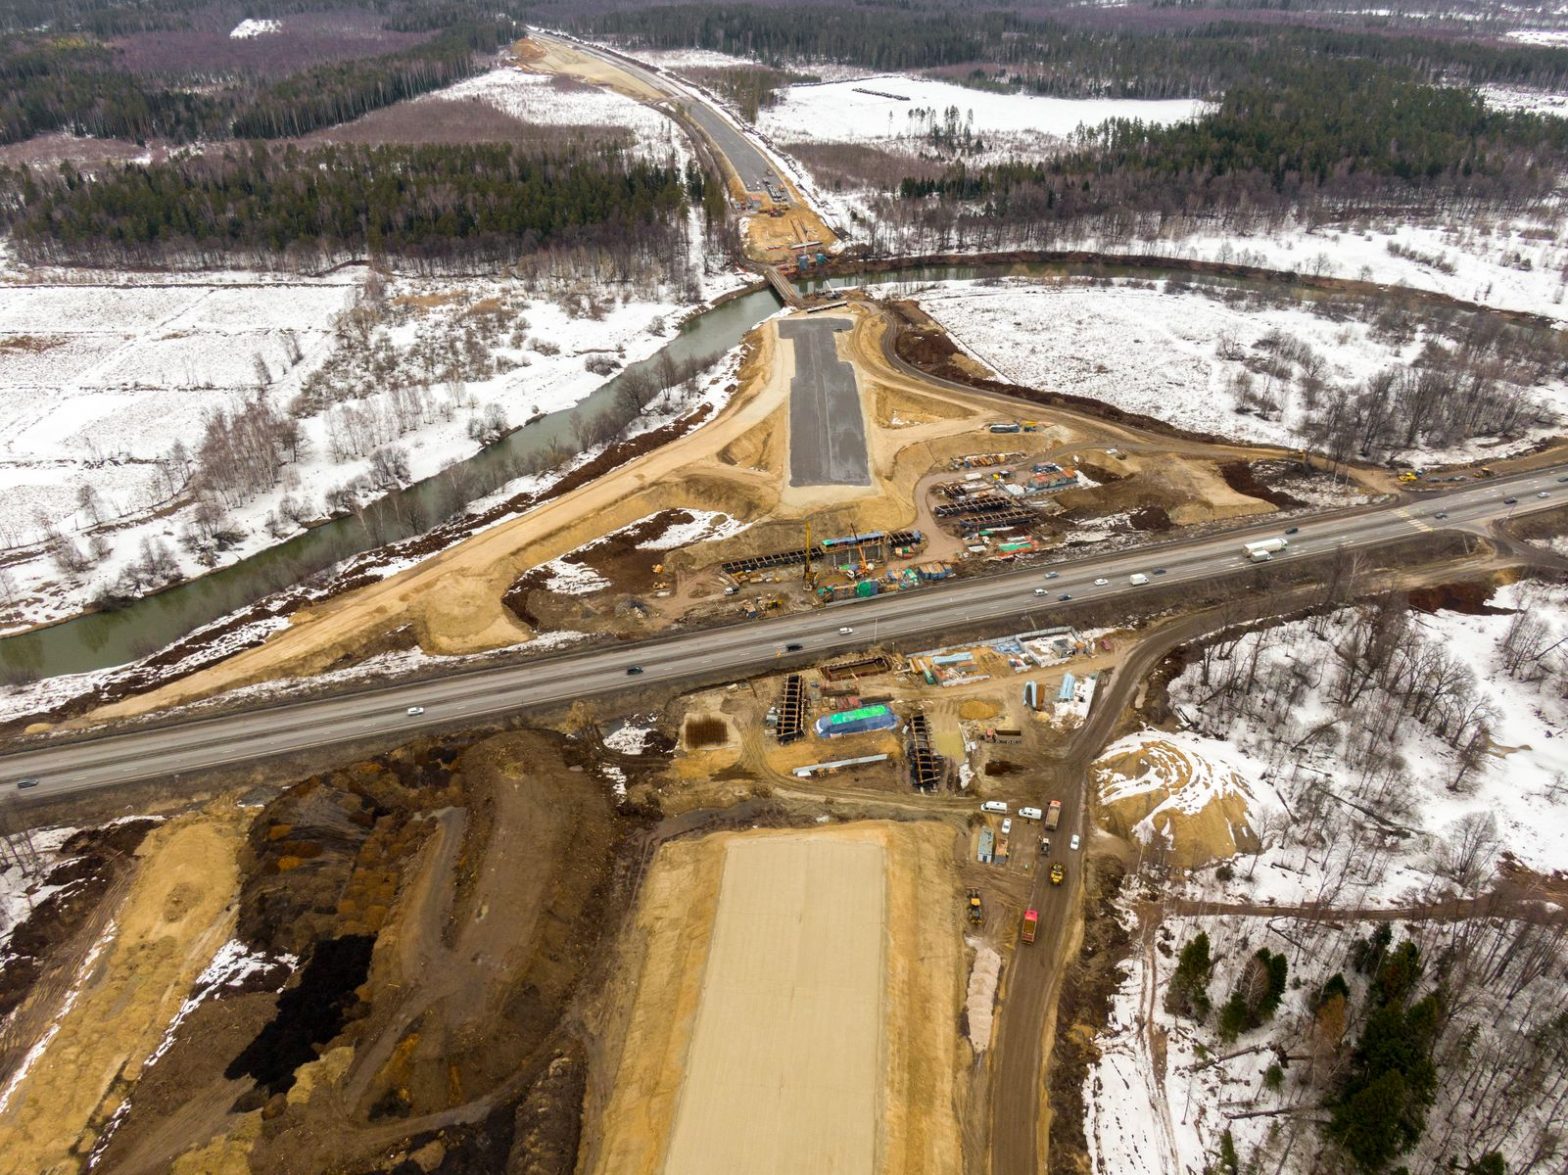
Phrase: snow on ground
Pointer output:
(49, 693)
(678, 59)
(1539, 36)
(98, 381)
(548, 101)
(705, 526)
(1522, 98)
(247, 29)
(25, 860)
(921, 114)
(572, 579)
(630, 737)
(1328, 762)
(1158, 352)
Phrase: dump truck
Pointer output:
(1263, 550)
(1031, 924)
(976, 910)
(1052, 815)
(1057, 873)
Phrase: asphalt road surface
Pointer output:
(827, 430)
(1024, 596)
(755, 172)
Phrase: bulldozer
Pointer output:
(1057, 873)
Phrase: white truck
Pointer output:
(1264, 549)
(1138, 579)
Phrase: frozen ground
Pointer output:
(101, 377)
(1520, 98)
(247, 29)
(1353, 790)
(49, 693)
(930, 117)
(1188, 358)
(549, 101)
(1320, 749)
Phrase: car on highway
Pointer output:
(845, 630)
(414, 711)
(1510, 501)
(1562, 479)
(1292, 529)
(1543, 494)
(1064, 596)
(1101, 582)
(1039, 591)
(1138, 579)
(1054, 574)
(1074, 843)
(30, 781)
(1440, 515)
(1159, 571)
(633, 670)
(794, 647)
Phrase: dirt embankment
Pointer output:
(445, 901)
(1082, 1010)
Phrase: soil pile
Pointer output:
(1175, 800)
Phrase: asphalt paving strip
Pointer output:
(827, 429)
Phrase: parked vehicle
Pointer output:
(1030, 813)
(1074, 843)
(1031, 924)
(1045, 846)
(994, 806)
(1007, 825)
(1053, 814)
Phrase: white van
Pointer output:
(845, 630)
(1030, 813)
(1138, 579)
(994, 806)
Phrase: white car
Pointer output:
(415, 711)
(845, 630)
(1074, 843)
(1039, 591)
(1007, 825)
(1101, 582)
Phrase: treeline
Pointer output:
(1069, 60)
(71, 84)
(434, 204)
(109, 18)
(1346, 136)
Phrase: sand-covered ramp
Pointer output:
(786, 1066)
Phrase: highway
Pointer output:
(756, 173)
(924, 617)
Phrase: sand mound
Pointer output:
(1177, 792)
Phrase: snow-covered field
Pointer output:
(1311, 739)
(1362, 802)
(548, 101)
(921, 115)
(99, 380)
(1187, 358)
(1520, 98)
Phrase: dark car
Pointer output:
(793, 648)
(1292, 529)
(1562, 479)
(30, 781)
(1440, 515)
(633, 670)
(1510, 501)
(1159, 571)
(1064, 596)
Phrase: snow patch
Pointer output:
(247, 29)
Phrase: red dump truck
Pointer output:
(1053, 814)
(1031, 923)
